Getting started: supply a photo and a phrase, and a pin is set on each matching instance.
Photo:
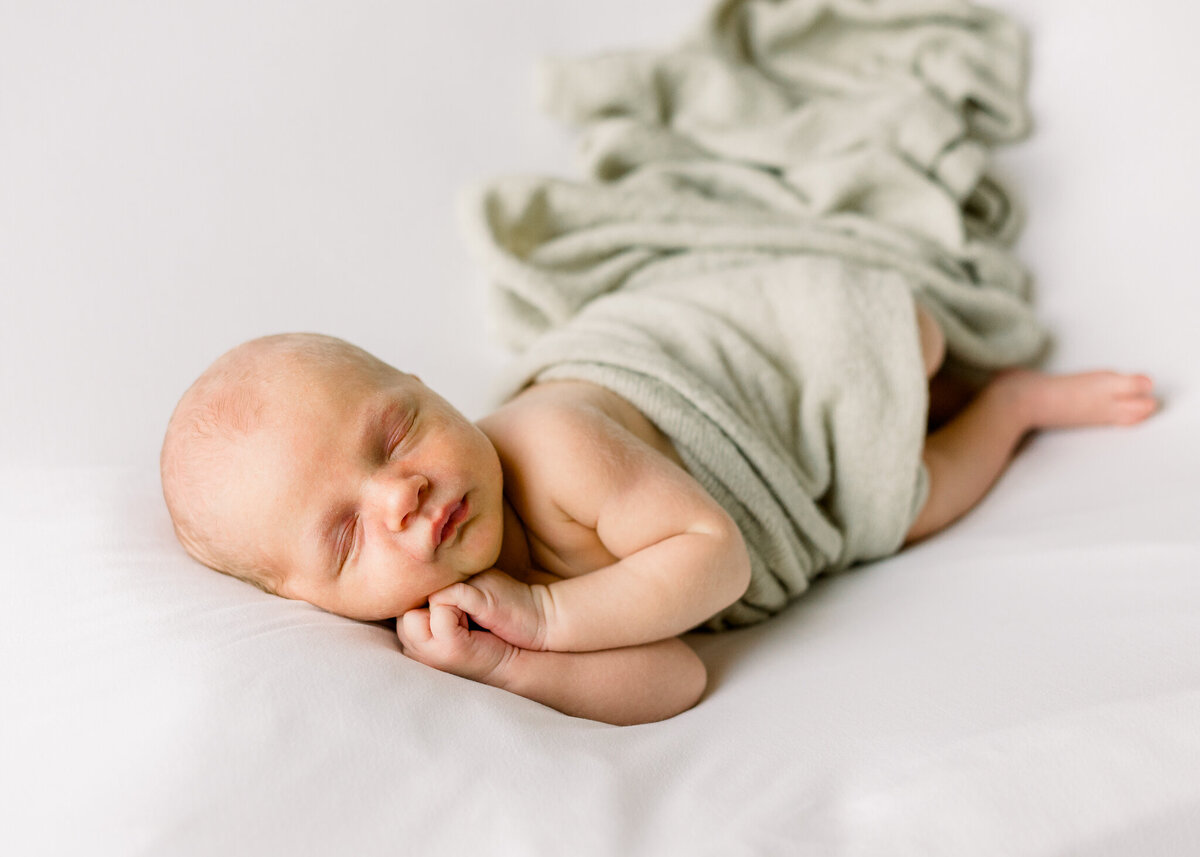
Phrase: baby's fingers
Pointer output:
(447, 623)
(435, 635)
(464, 596)
(440, 636)
(413, 628)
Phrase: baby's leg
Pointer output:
(947, 394)
(968, 454)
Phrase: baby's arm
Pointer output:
(680, 558)
(637, 684)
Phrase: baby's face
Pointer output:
(367, 492)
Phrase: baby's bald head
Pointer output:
(236, 397)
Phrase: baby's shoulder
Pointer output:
(589, 475)
(556, 448)
(551, 421)
(576, 437)
(559, 417)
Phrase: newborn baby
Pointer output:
(556, 548)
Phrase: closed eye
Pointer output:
(396, 439)
(347, 541)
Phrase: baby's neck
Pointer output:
(515, 558)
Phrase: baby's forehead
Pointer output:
(346, 396)
(300, 379)
(271, 391)
(311, 423)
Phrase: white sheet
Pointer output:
(180, 177)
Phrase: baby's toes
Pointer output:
(1091, 398)
(1134, 400)
(1134, 409)
(1121, 385)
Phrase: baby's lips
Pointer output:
(449, 520)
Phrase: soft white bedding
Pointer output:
(179, 177)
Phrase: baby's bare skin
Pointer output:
(964, 459)
(611, 549)
(558, 547)
(968, 454)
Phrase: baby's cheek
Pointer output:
(484, 542)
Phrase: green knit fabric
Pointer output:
(761, 207)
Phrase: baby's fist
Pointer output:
(440, 636)
(514, 611)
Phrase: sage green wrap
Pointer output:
(763, 206)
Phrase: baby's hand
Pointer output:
(439, 636)
(514, 611)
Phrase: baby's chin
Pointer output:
(379, 613)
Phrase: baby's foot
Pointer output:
(1085, 399)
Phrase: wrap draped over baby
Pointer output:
(761, 209)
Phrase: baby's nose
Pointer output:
(397, 498)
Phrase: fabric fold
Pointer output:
(760, 209)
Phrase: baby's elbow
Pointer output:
(735, 576)
(742, 572)
(696, 682)
(680, 681)
(688, 681)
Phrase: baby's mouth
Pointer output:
(456, 517)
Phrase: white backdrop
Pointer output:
(179, 177)
(176, 177)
